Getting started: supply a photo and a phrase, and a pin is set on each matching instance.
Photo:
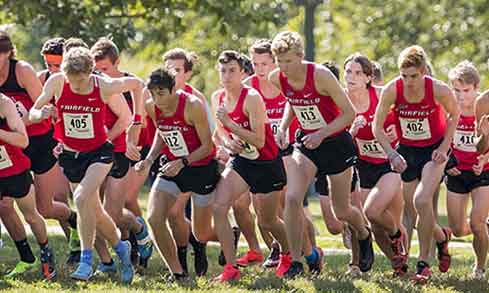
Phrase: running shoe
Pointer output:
(83, 273)
(229, 274)
(237, 233)
(367, 255)
(21, 268)
(273, 258)
(444, 258)
(423, 273)
(250, 258)
(48, 264)
(295, 270)
(284, 264)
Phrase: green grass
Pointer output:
(333, 278)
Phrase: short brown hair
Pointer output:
(105, 48)
(465, 72)
(413, 56)
(228, 56)
(190, 58)
(74, 43)
(6, 44)
(261, 46)
(53, 46)
(287, 41)
(367, 67)
(77, 60)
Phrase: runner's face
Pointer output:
(262, 64)
(288, 62)
(79, 82)
(412, 76)
(4, 56)
(161, 96)
(53, 67)
(181, 77)
(354, 76)
(465, 93)
(106, 66)
(230, 74)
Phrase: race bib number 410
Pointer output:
(175, 142)
(415, 129)
(464, 141)
(79, 125)
(309, 117)
(5, 161)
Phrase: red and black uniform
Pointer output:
(81, 129)
(464, 150)
(262, 169)
(422, 127)
(373, 162)
(15, 178)
(275, 111)
(41, 141)
(314, 111)
(181, 139)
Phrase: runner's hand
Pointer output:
(479, 167)
(48, 111)
(358, 123)
(171, 169)
(312, 140)
(484, 125)
(222, 116)
(281, 139)
(454, 171)
(141, 166)
(398, 163)
(132, 152)
(391, 133)
(233, 146)
(222, 155)
(439, 156)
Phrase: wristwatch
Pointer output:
(185, 161)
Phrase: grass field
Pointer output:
(333, 278)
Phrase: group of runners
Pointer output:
(276, 126)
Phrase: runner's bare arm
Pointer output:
(387, 99)
(288, 112)
(482, 120)
(197, 117)
(444, 95)
(27, 78)
(327, 84)
(114, 86)
(52, 88)
(158, 142)
(119, 107)
(17, 136)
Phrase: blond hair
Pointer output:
(287, 42)
(465, 72)
(77, 60)
(413, 56)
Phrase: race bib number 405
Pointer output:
(371, 148)
(79, 125)
(175, 142)
(415, 129)
(309, 117)
(464, 141)
(5, 161)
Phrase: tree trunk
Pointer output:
(309, 23)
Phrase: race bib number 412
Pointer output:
(79, 125)
(415, 129)
(175, 142)
(309, 117)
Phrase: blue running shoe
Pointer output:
(144, 243)
(107, 269)
(126, 268)
(84, 272)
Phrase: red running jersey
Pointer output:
(180, 138)
(12, 160)
(464, 144)
(421, 124)
(81, 119)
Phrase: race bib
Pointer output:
(464, 141)
(78, 125)
(175, 142)
(21, 110)
(371, 148)
(309, 117)
(249, 152)
(415, 129)
(5, 161)
(275, 124)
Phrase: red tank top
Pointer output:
(312, 109)
(464, 144)
(181, 139)
(12, 160)
(81, 119)
(23, 102)
(275, 111)
(369, 149)
(421, 124)
(269, 151)
(120, 141)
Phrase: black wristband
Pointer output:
(185, 161)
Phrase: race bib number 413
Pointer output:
(309, 117)
(5, 161)
(175, 142)
(415, 129)
(79, 125)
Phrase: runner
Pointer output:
(380, 193)
(256, 166)
(420, 103)
(324, 147)
(378, 74)
(471, 175)
(187, 166)
(23, 87)
(87, 156)
(117, 119)
(16, 182)
(52, 53)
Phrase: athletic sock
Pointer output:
(86, 256)
(25, 251)
(313, 257)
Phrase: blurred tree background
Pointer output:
(449, 30)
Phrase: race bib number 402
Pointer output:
(464, 141)
(415, 129)
(79, 126)
(309, 117)
(5, 161)
(175, 142)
